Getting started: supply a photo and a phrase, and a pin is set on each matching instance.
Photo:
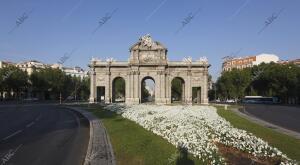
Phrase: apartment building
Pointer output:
(249, 61)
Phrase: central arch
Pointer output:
(177, 90)
(118, 90)
(147, 90)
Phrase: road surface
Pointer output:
(42, 134)
(284, 116)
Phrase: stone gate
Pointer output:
(148, 59)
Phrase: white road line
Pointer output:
(15, 133)
(30, 124)
(38, 118)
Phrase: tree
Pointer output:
(119, 87)
(13, 81)
(232, 84)
(176, 88)
(49, 83)
(270, 79)
(145, 92)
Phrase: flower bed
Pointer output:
(199, 129)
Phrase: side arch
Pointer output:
(118, 89)
(178, 89)
(147, 92)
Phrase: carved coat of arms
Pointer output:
(147, 41)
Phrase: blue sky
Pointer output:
(221, 28)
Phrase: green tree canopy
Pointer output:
(13, 79)
(265, 79)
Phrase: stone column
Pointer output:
(92, 86)
(163, 87)
(127, 89)
(108, 87)
(204, 92)
(131, 85)
(158, 88)
(136, 87)
(189, 88)
(168, 89)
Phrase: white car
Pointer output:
(230, 101)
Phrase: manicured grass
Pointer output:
(132, 144)
(288, 145)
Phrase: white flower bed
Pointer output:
(197, 128)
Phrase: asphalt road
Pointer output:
(42, 135)
(284, 116)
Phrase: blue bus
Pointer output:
(259, 100)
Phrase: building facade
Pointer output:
(148, 60)
(4, 64)
(33, 65)
(295, 62)
(30, 66)
(75, 72)
(72, 71)
(247, 62)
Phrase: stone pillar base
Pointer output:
(132, 101)
(128, 100)
(168, 100)
(135, 100)
(205, 101)
(161, 101)
(92, 100)
(107, 101)
(189, 101)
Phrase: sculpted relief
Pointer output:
(148, 57)
(147, 41)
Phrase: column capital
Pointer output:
(161, 72)
(92, 72)
(135, 72)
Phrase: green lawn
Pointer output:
(133, 144)
(288, 145)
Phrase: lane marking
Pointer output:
(30, 124)
(19, 131)
(15, 133)
(38, 118)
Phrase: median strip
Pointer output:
(99, 148)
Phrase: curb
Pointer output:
(99, 151)
(266, 124)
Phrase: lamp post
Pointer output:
(59, 97)
(215, 92)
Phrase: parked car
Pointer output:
(230, 101)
